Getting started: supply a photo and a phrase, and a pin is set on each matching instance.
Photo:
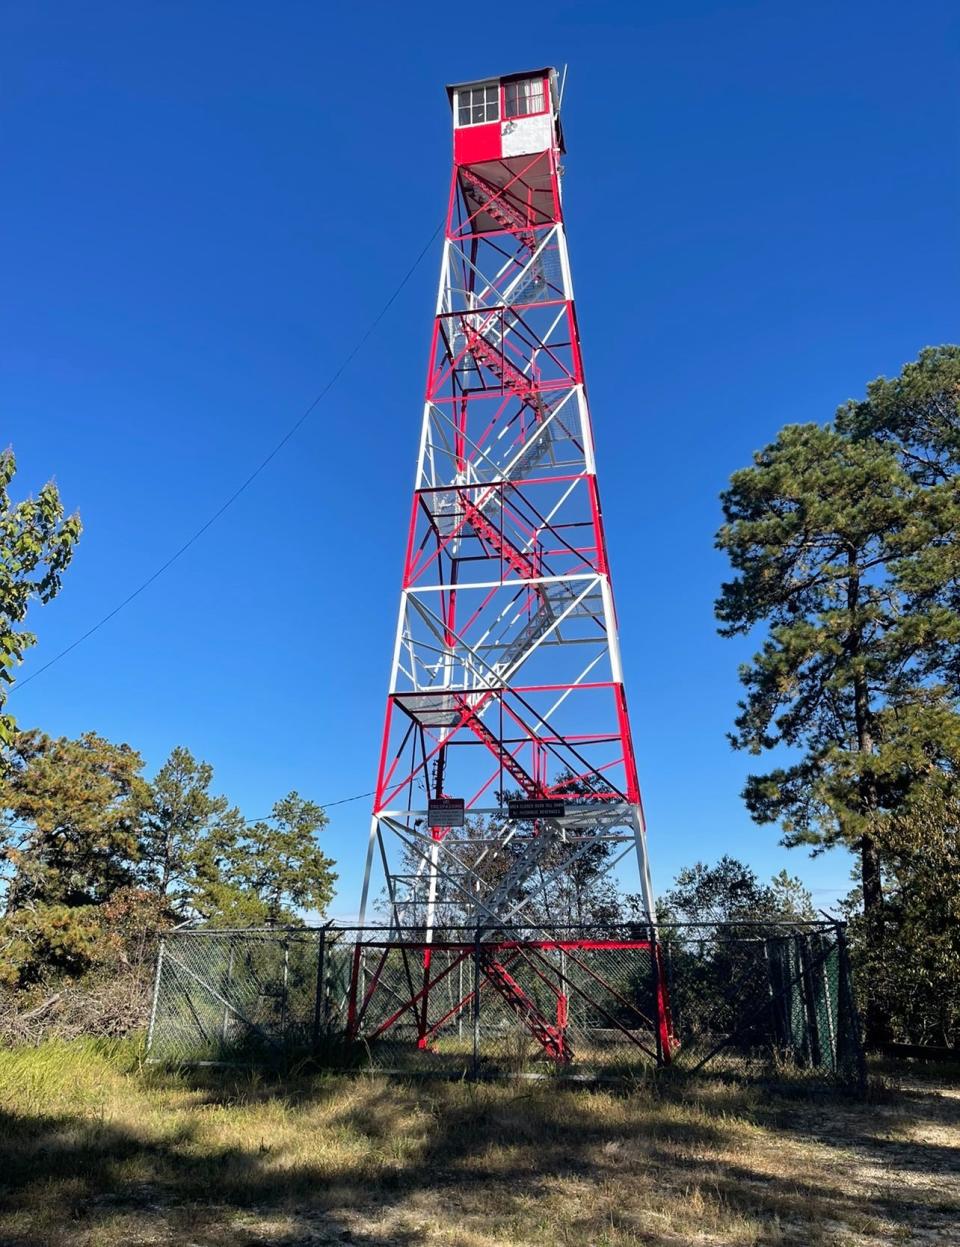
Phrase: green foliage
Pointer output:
(844, 541)
(815, 529)
(710, 967)
(72, 814)
(827, 534)
(186, 832)
(730, 892)
(917, 414)
(908, 956)
(279, 862)
(58, 939)
(266, 871)
(96, 858)
(36, 546)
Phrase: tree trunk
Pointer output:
(876, 1022)
(870, 875)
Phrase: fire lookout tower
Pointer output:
(507, 756)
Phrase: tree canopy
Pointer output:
(731, 892)
(827, 534)
(90, 845)
(844, 543)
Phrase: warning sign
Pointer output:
(445, 811)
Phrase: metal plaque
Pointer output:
(445, 811)
(543, 807)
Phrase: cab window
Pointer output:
(476, 105)
(523, 97)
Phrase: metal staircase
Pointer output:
(553, 1039)
(488, 532)
(484, 333)
(491, 199)
(536, 848)
(518, 773)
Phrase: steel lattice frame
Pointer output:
(506, 674)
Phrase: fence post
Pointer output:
(655, 977)
(476, 1004)
(808, 995)
(283, 998)
(156, 994)
(319, 1000)
(229, 984)
(459, 998)
(668, 957)
(848, 1008)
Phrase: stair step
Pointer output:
(551, 1038)
(491, 198)
(509, 762)
(506, 549)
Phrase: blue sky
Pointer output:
(204, 206)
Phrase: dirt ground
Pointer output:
(96, 1151)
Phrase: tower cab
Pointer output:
(499, 118)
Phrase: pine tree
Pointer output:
(70, 826)
(72, 811)
(827, 535)
(185, 831)
(276, 868)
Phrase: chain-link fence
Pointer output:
(763, 997)
(749, 998)
(244, 996)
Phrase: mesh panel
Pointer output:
(754, 999)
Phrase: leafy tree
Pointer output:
(97, 860)
(36, 546)
(198, 853)
(185, 831)
(718, 975)
(729, 892)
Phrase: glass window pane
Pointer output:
(476, 105)
(523, 98)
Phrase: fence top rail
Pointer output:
(631, 931)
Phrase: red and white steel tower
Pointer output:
(507, 754)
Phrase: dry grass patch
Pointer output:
(97, 1152)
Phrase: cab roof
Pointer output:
(547, 70)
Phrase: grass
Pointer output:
(98, 1151)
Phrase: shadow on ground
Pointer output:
(465, 1157)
